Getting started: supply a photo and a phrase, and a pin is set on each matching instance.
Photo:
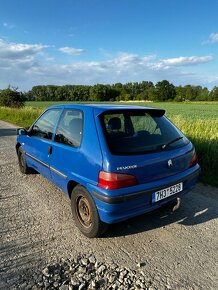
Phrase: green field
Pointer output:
(199, 122)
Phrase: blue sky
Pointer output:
(108, 41)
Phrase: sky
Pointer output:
(108, 41)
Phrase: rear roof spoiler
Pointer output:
(154, 112)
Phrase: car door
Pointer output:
(37, 146)
(66, 153)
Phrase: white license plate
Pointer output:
(166, 192)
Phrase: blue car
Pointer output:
(115, 162)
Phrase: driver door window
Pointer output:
(44, 126)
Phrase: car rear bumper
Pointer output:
(118, 205)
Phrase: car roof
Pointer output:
(100, 108)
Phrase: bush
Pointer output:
(12, 98)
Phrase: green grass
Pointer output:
(198, 121)
(22, 117)
(44, 104)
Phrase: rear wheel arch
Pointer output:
(70, 186)
(85, 213)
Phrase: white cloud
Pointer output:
(187, 60)
(213, 37)
(19, 50)
(212, 79)
(182, 61)
(26, 65)
(72, 50)
(8, 25)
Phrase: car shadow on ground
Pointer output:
(8, 132)
(195, 209)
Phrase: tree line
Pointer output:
(142, 91)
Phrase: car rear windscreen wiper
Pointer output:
(172, 141)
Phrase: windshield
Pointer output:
(140, 131)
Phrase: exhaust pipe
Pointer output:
(177, 204)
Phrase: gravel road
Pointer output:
(174, 251)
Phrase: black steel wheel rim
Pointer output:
(83, 211)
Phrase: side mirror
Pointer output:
(21, 131)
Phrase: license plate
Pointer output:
(166, 192)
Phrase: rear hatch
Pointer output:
(152, 166)
(143, 143)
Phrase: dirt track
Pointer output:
(180, 250)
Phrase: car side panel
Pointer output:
(36, 151)
(82, 164)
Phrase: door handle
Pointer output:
(49, 150)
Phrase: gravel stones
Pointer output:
(141, 264)
(86, 273)
(45, 272)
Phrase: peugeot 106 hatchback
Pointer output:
(115, 162)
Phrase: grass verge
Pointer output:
(22, 117)
(204, 135)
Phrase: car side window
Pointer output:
(44, 126)
(70, 128)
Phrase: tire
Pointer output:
(22, 162)
(85, 213)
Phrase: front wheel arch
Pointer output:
(24, 168)
(17, 147)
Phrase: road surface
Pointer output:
(180, 250)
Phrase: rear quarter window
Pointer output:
(70, 128)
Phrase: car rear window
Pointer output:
(140, 131)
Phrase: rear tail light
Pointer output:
(110, 180)
(194, 160)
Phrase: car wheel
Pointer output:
(22, 162)
(85, 213)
